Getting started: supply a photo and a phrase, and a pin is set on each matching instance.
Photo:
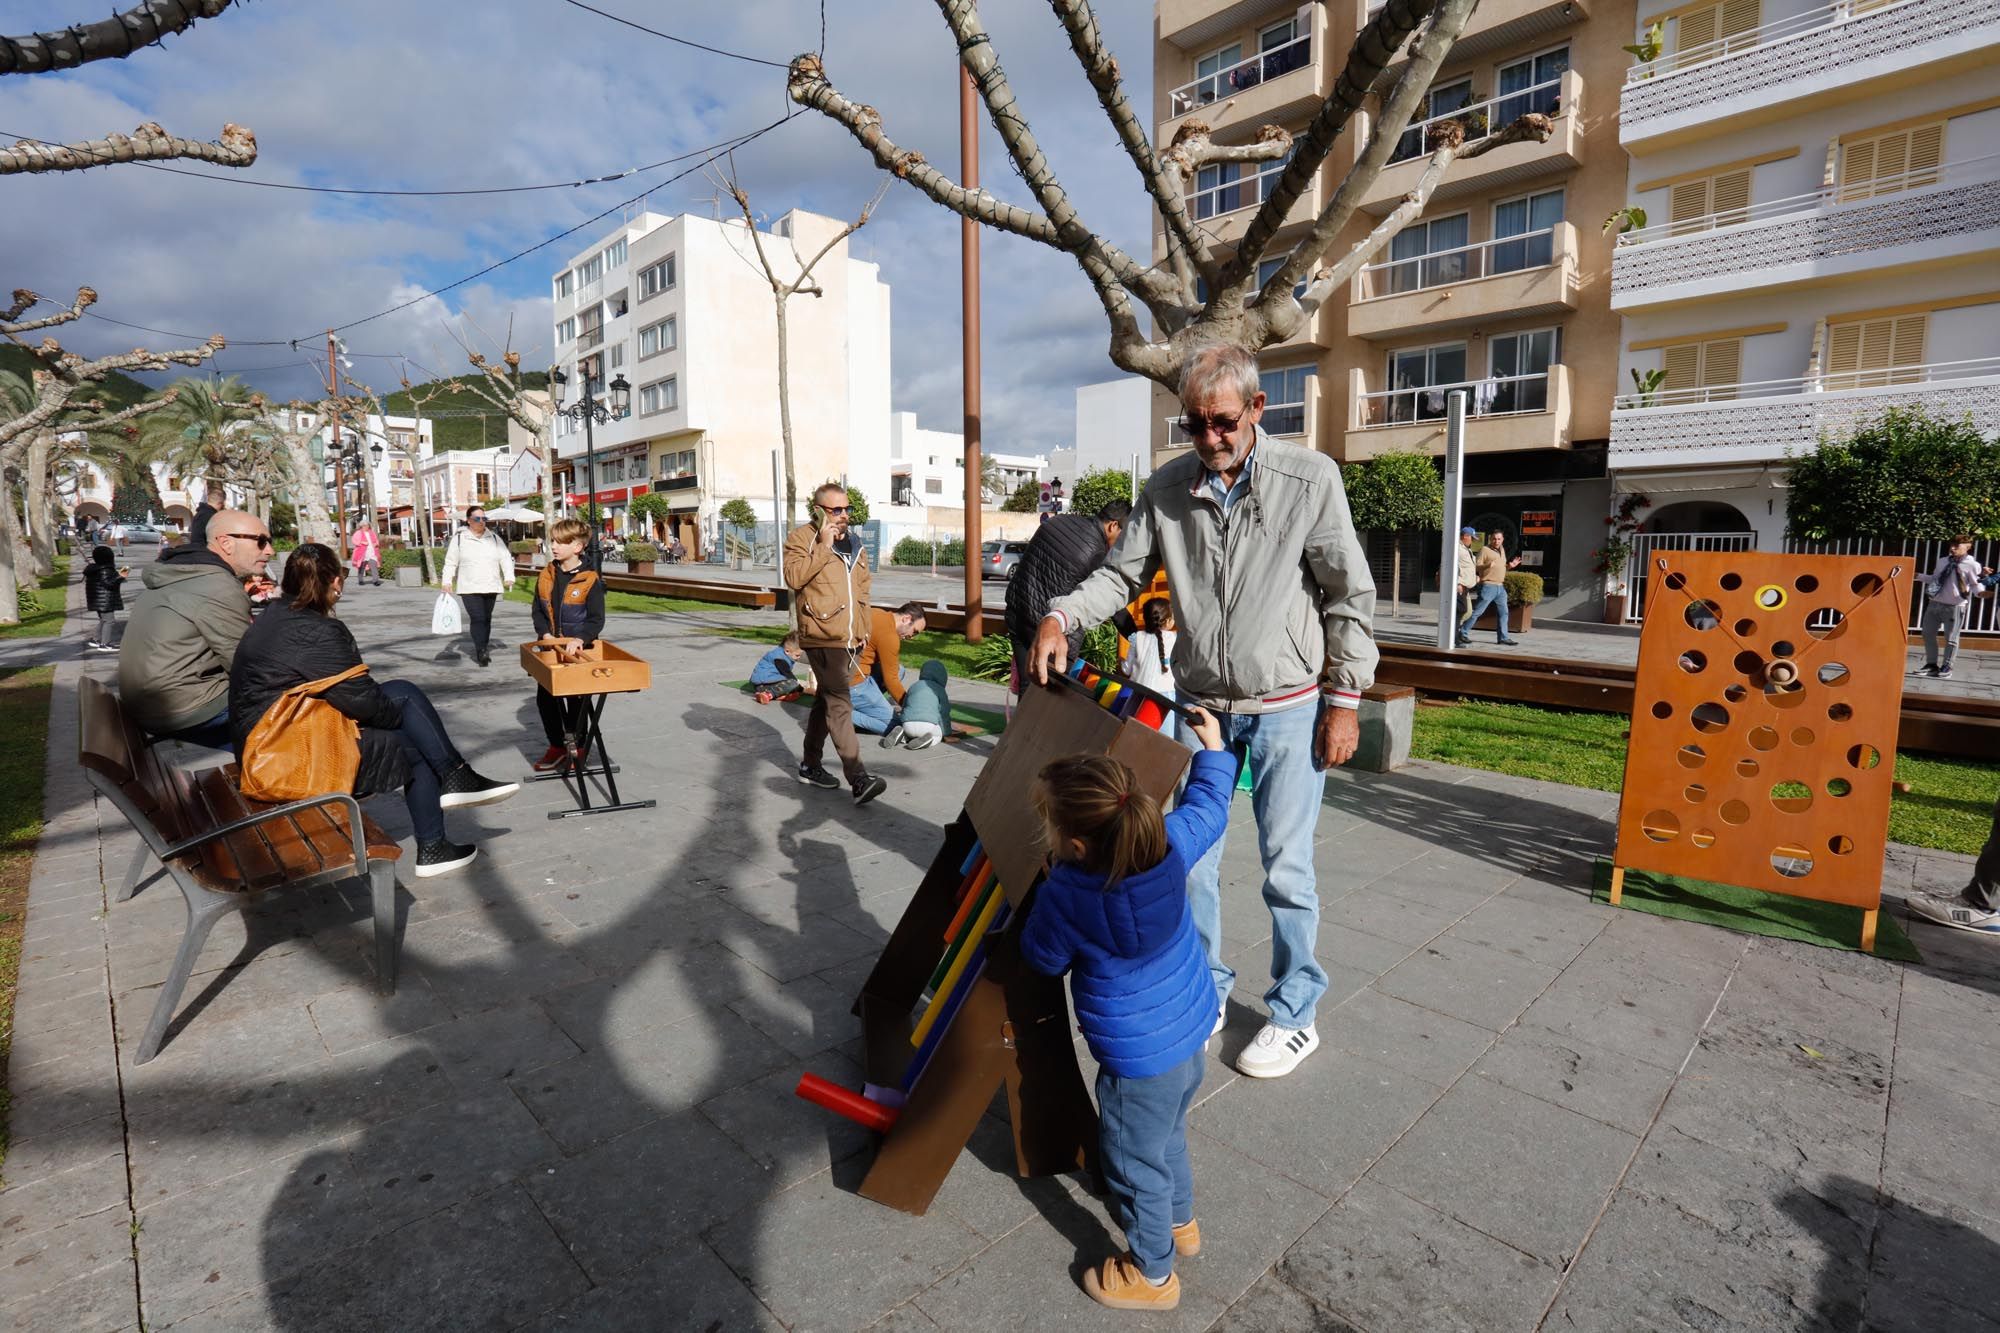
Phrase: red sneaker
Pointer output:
(551, 757)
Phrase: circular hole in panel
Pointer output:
(1802, 736)
(1866, 585)
(1735, 812)
(1792, 861)
(1839, 712)
(1663, 710)
(1677, 580)
(1710, 718)
(1838, 786)
(1692, 756)
(1694, 661)
(1832, 673)
(1702, 615)
(1840, 844)
(1789, 696)
(1695, 793)
(1806, 583)
(1745, 628)
(1661, 825)
(1826, 623)
(1863, 756)
(1783, 648)
(1735, 694)
(1730, 582)
(1702, 838)
(1746, 768)
(1794, 798)
(1770, 597)
(1763, 738)
(1749, 664)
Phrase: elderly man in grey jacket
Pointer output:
(1276, 608)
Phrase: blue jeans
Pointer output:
(431, 755)
(1483, 596)
(1142, 1123)
(872, 711)
(214, 734)
(1286, 801)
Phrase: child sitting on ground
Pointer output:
(776, 675)
(1113, 911)
(102, 581)
(926, 711)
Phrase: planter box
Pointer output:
(1520, 616)
(644, 567)
(1614, 608)
(409, 576)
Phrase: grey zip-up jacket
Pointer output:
(1274, 604)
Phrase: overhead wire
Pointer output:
(684, 41)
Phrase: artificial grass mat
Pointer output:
(976, 721)
(1829, 925)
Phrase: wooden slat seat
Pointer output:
(223, 849)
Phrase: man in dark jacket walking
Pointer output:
(173, 670)
(1064, 552)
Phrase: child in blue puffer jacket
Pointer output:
(1113, 911)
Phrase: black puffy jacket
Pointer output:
(286, 647)
(1063, 553)
(101, 588)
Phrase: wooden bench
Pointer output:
(223, 849)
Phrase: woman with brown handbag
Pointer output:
(402, 741)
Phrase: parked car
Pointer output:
(997, 559)
(141, 532)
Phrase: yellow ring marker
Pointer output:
(1770, 597)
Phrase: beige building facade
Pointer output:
(1500, 288)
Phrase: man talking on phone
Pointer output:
(1276, 609)
(826, 568)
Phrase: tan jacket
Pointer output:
(1492, 566)
(885, 647)
(831, 591)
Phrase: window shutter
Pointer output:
(1843, 349)
(1926, 153)
(1731, 197)
(1689, 205)
(1906, 344)
(1722, 364)
(1696, 29)
(1738, 17)
(1857, 169)
(1892, 159)
(1682, 363)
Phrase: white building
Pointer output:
(1114, 428)
(927, 467)
(394, 479)
(456, 479)
(1822, 194)
(680, 307)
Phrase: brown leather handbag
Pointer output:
(302, 746)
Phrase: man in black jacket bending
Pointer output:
(1064, 552)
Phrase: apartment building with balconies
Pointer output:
(1821, 189)
(1499, 289)
(680, 307)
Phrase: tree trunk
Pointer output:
(35, 485)
(10, 540)
(315, 523)
(1396, 576)
(420, 507)
(785, 421)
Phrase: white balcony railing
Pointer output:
(1465, 263)
(1244, 74)
(1777, 30)
(1228, 197)
(1483, 119)
(1826, 198)
(1285, 419)
(1882, 378)
(1497, 396)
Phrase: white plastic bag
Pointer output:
(445, 616)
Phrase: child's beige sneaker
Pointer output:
(1187, 1239)
(1118, 1283)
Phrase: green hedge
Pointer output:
(63, 546)
(917, 551)
(1523, 589)
(524, 547)
(29, 599)
(395, 559)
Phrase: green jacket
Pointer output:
(173, 665)
(1274, 603)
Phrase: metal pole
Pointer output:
(339, 473)
(1454, 508)
(590, 462)
(777, 508)
(968, 235)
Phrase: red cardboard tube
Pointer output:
(869, 1115)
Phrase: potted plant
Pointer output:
(1616, 554)
(1523, 591)
(530, 550)
(739, 515)
(639, 557)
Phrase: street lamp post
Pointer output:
(590, 411)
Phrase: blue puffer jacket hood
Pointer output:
(1140, 979)
(926, 700)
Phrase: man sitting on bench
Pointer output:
(173, 672)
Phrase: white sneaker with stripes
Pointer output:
(1954, 911)
(1275, 1052)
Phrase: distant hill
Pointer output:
(464, 432)
(117, 390)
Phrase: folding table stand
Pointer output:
(600, 672)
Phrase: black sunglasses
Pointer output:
(262, 539)
(1197, 425)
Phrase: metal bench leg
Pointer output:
(137, 875)
(382, 888)
(204, 908)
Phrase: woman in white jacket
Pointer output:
(478, 567)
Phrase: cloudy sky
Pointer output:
(430, 95)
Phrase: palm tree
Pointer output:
(195, 436)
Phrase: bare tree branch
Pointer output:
(11, 323)
(148, 143)
(68, 373)
(137, 409)
(107, 39)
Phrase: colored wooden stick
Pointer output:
(955, 943)
(971, 939)
(977, 969)
(870, 1115)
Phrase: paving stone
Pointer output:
(59, 1093)
(788, 1136)
(1405, 920)
(1932, 1271)
(84, 1190)
(805, 1015)
(472, 965)
(1536, 931)
(357, 1016)
(1762, 1095)
(415, 1165)
(51, 1034)
(686, 1289)
(496, 1044)
(1578, 1076)
(1270, 1306)
(50, 1258)
(903, 1319)
(1518, 1169)
(1358, 1108)
(1934, 1133)
(982, 1190)
(1357, 949)
(99, 1301)
(228, 1048)
(1384, 1261)
(1948, 1052)
(1402, 1036)
(1469, 981)
(663, 988)
(1648, 1005)
(820, 1258)
(30, 1160)
(819, 942)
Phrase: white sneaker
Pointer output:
(1221, 1022)
(892, 737)
(1276, 1052)
(1953, 911)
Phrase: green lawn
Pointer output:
(24, 719)
(48, 621)
(644, 603)
(1949, 805)
(949, 647)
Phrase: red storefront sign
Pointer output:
(611, 497)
